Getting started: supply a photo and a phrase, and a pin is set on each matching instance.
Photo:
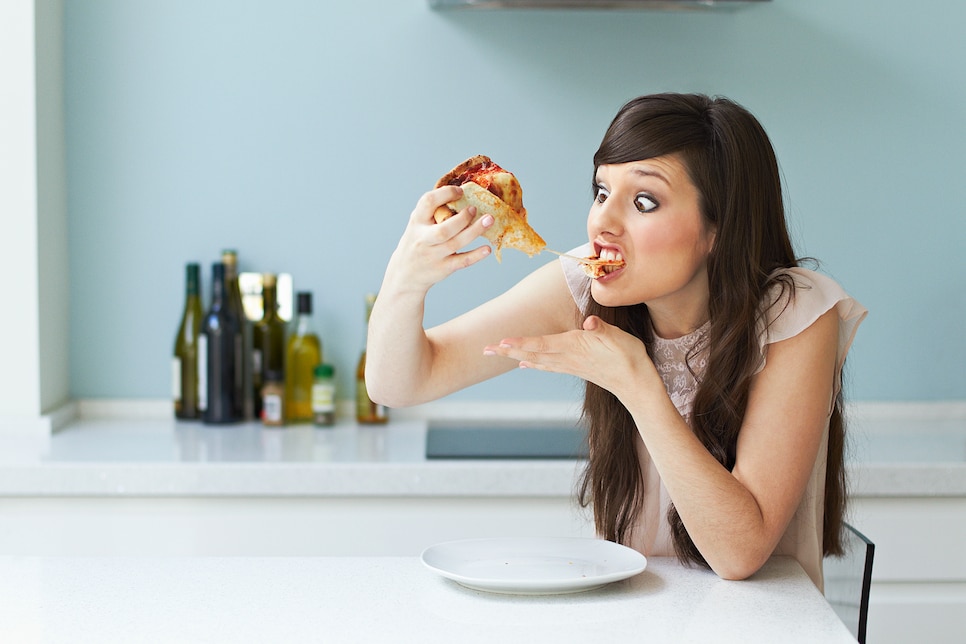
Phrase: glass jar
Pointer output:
(323, 396)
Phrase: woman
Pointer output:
(713, 362)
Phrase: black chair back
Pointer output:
(848, 580)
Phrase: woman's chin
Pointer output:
(606, 296)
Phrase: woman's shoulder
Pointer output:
(799, 296)
(576, 278)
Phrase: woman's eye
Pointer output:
(600, 194)
(645, 203)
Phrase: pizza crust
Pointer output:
(595, 267)
(593, 271)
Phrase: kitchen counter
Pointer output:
(161, 457)
(134, 483)
(390, 599)
(167, 458)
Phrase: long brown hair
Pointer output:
(731, 162)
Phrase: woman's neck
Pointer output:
(672, 322)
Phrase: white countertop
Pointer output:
(165, 458)
(390, 599)
(161, 457)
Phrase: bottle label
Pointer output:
(202, 372)
(176, 378)
(272, 409)
(323, 397)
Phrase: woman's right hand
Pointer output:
(428, 252)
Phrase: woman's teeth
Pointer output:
(611, 255)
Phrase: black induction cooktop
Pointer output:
(506, 441)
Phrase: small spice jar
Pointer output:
(273, 399)
(323, 396)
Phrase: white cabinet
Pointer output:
(919, 574)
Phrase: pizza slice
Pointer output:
(596, 268)
(494, 191)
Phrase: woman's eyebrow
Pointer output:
(650, 172)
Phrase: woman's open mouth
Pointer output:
(607, 261)
(611, 260)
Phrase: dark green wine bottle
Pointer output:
(219, 338)
(244, 402)
(184, 365)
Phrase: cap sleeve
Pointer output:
(577, 279)
(815, 294)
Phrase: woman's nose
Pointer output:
(604, 219)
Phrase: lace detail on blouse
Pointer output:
(681, 363)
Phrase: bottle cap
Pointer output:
(324, 371)
(305, 301)
(192, 276)
(274, 375)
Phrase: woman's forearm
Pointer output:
(398, 353)
(720, 514)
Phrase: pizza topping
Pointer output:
(596, 267)
(485, 173)
(610, 259)
(482, 175)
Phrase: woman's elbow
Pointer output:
(734, 574)
(377, 389)
(740, 567)
(381, 390)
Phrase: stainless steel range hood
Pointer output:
(591, 4)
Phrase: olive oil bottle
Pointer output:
(367, 412)
(268, 341)
(303, 354)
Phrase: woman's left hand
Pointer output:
(599, 353)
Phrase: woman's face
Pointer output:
(647, 212)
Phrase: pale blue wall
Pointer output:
(301, 132)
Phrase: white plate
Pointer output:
(533, 566)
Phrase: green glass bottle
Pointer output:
(216, 364)
(303, 354)
(244, 400)
(184, 365)
(268, 341)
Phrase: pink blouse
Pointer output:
(814, 295)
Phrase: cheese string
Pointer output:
(590, 261)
